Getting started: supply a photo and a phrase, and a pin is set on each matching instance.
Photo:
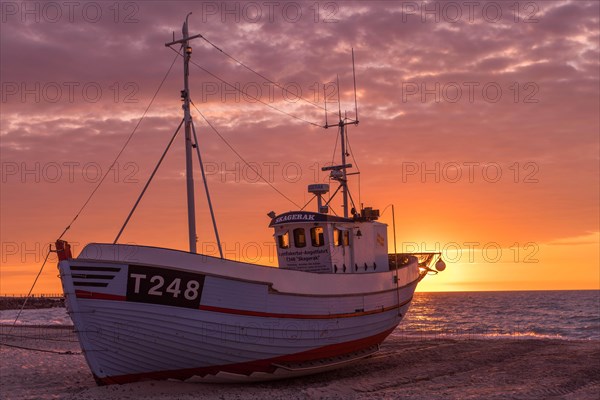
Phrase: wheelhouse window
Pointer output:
(340, 237)
(317, 237)
(299, 237)
(283, 241)
(345, 238)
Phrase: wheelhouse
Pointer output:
(321, 243)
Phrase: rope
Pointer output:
(120, 152)
(21, 310)
(68, 352)
(242, 158)
(30, 290)
(12, 336)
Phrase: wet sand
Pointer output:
(405, 368)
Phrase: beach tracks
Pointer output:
(404, 368)
(490, 369)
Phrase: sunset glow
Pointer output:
(479, 123)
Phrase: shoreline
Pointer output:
(14, 303)
(39, 331)
(410, 368)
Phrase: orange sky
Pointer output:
(482, 130)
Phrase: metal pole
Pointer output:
(396, 258)
(189, 170)
(344, 179)
(210, 207)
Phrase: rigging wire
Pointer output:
(308, 202)
(261, 75)
(242, 158)
(122, 149)
(148, 182)
(337, 139)
(351, 199)
(351, 152)
(332, 196)
(251, 96)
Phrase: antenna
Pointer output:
(325, 100)
(338, 172)
(339, 104)
(354, 76)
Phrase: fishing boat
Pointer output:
(143, 312)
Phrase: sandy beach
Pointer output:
(407, 368)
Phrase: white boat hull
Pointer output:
(151, 313)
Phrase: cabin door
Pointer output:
(342, 255)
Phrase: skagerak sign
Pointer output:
(306, 217)
(295, 217)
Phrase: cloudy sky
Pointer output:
(479, 121)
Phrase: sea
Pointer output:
(567, 315)
(570, 315)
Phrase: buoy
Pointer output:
(440, 265)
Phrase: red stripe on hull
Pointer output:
(300, 316)
(248, 368)
(82, 294)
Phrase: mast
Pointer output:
(185, 96)
(189, 168)
(344, 181)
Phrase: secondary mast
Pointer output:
(338, 172)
